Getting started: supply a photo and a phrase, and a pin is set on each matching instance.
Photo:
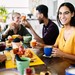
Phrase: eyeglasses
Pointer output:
(65, 13)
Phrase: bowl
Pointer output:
(27, 39)
(15, 36)
(70, 71)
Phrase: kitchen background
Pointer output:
(27, 8)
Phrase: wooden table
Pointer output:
(55, 65)
(51, 64)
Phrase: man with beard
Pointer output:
(50, 30)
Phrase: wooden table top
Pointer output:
(56, 66)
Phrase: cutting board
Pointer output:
(9, 63)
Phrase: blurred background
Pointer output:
(27, 8)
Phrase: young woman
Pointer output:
(65, 43)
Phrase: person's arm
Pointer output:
(6, 31)
(2, 58)
(9, 27)
(25, 31)
(58, 53)
(36, 37)
(69, 56)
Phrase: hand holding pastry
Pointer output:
(23, 18)
(33, 43)
(12, 26)
(26, 24)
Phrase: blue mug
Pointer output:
(70, 71)
(48, 50)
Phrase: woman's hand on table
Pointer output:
(2, 58)
(57, 53)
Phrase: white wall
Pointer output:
(71, 1)
(49, 3)
(61, 1)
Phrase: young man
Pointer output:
(50, 30)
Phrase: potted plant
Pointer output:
(3, 14)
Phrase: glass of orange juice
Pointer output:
(33, 43)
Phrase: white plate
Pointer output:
(47, 56)
(9, 72)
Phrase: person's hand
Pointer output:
(33, 43)
(57, 53)
(26, 24)
(12, 26)
(2, 58)
(40, 44)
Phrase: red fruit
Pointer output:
(23, 51)
(19, 53)
(28, 70)
(21, 48)
(15, 51)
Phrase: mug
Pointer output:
(70, 71)
(27, 39)
(21, 65)
(48, 50)
(33, 43)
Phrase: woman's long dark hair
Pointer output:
(72, 10)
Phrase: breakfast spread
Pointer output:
(23, 52)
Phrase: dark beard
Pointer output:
(41, 21)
